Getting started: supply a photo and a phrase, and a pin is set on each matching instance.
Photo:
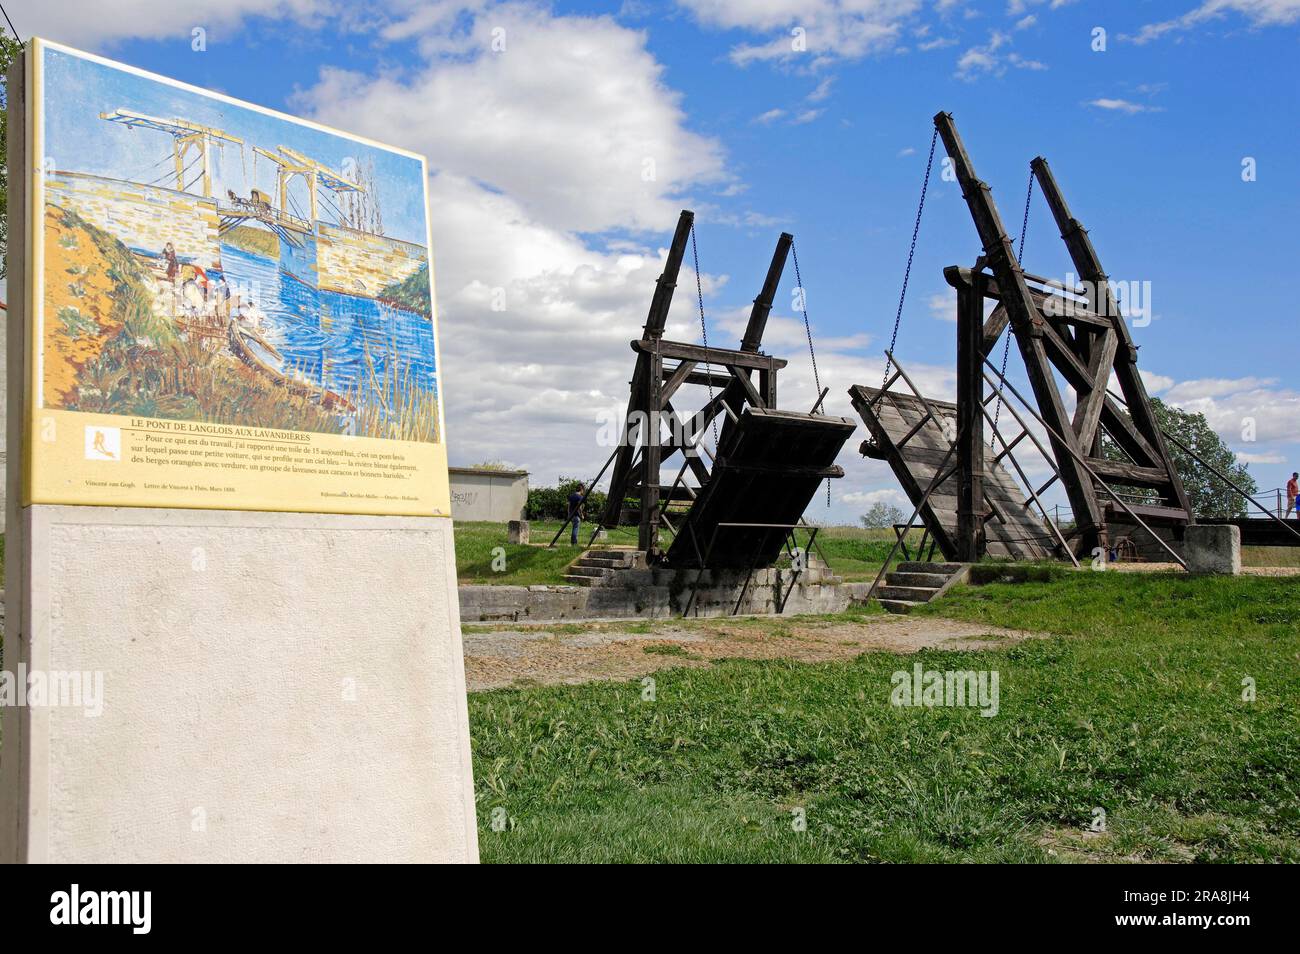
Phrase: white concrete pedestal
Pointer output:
(276, 688)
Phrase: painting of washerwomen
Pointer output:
(208, 261)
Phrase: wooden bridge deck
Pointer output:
(768, 469)
(1014, 528)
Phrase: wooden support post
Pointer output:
(970, 421)
(637, 409)
(1085, 259)
(651, 455)
(1029, 329)
(763, 303)
(734, 394)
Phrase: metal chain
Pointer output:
(803, 301)
(911, 252)
(1006, 347)
(807, 327)
(704, 330)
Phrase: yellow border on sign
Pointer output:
(35, 323)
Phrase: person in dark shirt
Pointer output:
(577, 500)
(172, 262)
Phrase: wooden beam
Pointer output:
(1048, 305)
(866, 407)
(1132, 387)
(1126, 473)
(1028, 325)
(618, 480)
(651, 457)
(709, 379)
(763, 303)
(1087, 414)
(970, 422)
(742, 381)
(666, 284)
(721, 356)
(795, 470)
(1117, 424)
(681, 375)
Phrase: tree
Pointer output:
(491, 465)
(1209, 495)
(881, 516)
(9, 50)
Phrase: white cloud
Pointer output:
(1122, 106)
(943, 305)
(91, 22)
(1207, 388)
(769, 117)
(572, 119)
(807, 116)
(831, 29)
(1017, 7)
(1260, 13)
(938, 43)
(822, 90)
(1262, 458)
(890, 495)
(1239, 409)
(530, 149)
(1155, 383)
(986, 60)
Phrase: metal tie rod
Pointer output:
(1083, 463)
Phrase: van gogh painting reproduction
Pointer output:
(207, 260)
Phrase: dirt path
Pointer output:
(574, 653)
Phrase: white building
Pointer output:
(493, 495)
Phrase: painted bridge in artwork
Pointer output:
(180, 207)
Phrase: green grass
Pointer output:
(853, 553)
(543, 530)
(1137, 710)
(478, 561)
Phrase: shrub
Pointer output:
(552, 503)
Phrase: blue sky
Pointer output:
(79, 90)
(538, 120)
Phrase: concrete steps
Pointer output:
(595, 567)
(931, 580)
(915, 584)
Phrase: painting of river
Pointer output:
(355, 346)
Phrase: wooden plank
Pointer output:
(1125, 473)
(1087, 414)
(768, 469)
(681, 374)
(916, 466)
(719, 356)
(1150, 514)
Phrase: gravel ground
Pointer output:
(569, 654)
